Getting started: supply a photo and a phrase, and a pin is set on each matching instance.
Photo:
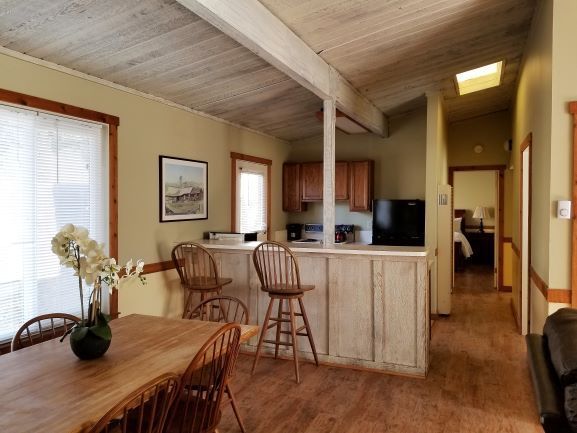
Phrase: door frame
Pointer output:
(573, 111)
(500, 168)
(525, 145)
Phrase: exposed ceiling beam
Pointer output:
(255, 27)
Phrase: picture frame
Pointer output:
(183, 189)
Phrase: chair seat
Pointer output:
(204, 284)
(283, 289)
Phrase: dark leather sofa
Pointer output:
(553, 364)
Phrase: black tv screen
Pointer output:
(399, 222)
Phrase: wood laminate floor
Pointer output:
(478, 381)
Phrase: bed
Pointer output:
(461, 248)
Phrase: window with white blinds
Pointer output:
(251, 197)
(53, 171)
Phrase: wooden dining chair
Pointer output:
(143, 411)
(197, 409)
(198, 272)
(279, 276)
(225, 309)
(42, 328)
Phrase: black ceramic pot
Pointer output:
(86, 344)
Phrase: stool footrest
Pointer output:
(277, 342)
(287, 313)
(278, 319)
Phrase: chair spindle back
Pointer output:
(276, 267)
(42, 328)
(203, 383)
(224, 309)
(143, 411)
(195, 264)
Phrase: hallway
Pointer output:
(478, 382)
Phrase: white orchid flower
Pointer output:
(139, 267)
(128, 267)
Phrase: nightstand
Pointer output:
(483, 245)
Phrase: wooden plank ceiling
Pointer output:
(393, 51)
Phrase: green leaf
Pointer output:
(102, 331)
(102, 318)
(79, 333)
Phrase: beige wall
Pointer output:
(546, 85)
(532, 114)
(399, 165)
(472, 189)
(564, 90)
(490, 131)
(148, 129)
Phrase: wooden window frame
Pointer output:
(234, 158)
(113, 122)
(501, 217)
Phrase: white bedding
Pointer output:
(465, 245)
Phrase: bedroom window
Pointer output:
(53, 170)
(251, 190)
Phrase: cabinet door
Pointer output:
(361, 186)
(312, 181)
(291, 188)
(341, 181)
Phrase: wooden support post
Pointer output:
(329, 172)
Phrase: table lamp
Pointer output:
(480, 213)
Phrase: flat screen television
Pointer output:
(399, 222)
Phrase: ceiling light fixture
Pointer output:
(481, 78)
(345, 123)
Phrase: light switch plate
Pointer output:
(564, 209)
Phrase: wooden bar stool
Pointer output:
(197, 271)
(278, 272)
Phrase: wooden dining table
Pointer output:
(46, 389)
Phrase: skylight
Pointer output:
(479, 78)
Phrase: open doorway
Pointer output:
(478, 225)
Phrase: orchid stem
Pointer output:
(77, 255)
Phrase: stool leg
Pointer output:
(234, 407)
(278, 328)
(309, 333)
(294, 339)
(262, 333)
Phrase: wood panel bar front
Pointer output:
(369, 308)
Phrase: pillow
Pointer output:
(457, 224)
(571, 406)
(561, 331)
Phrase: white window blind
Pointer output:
(251, 196)
(53, 171)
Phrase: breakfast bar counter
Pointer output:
(369, 308)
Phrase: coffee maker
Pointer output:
(294, 232)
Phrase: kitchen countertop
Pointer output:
(347, 248)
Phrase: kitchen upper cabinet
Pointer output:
(303, 182)
(341, 181)
(291, 188)
(361, 186)
(312, 181)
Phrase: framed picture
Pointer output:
(183, 189)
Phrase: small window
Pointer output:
(251, 186)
